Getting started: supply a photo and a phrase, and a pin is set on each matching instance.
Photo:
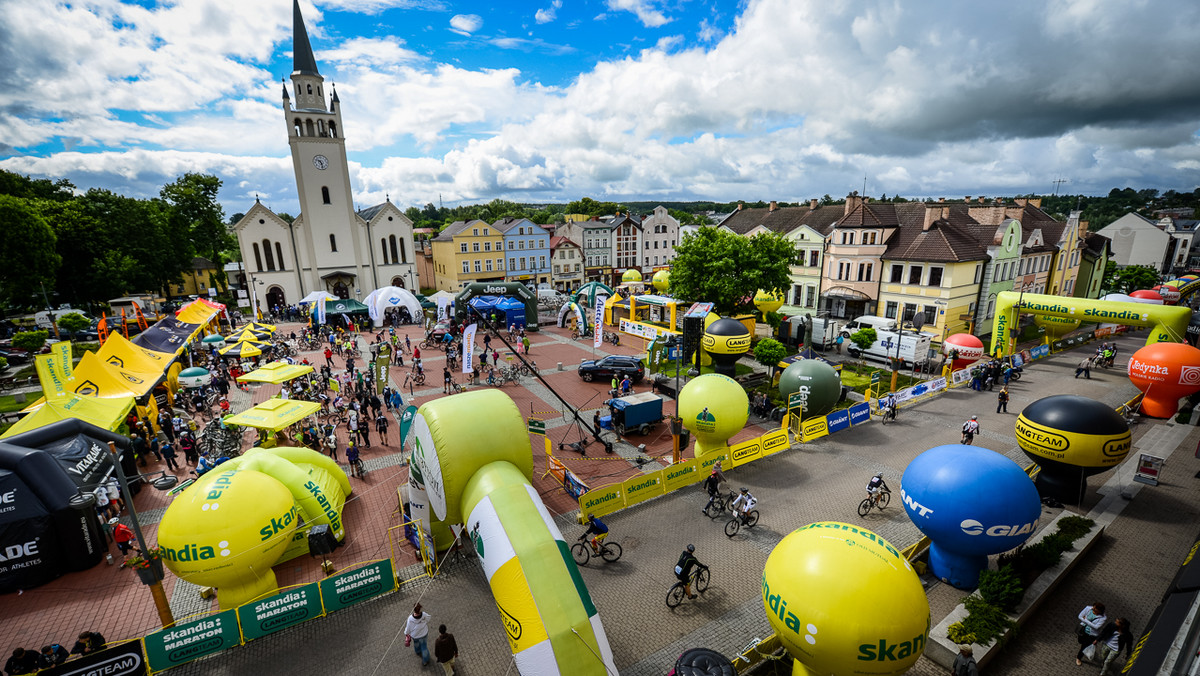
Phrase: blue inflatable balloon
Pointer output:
(971, 502)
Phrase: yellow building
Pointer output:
(465, 252)
(196, 280)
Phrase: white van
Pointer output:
(913, 348)
(46, 319)
(868, 321)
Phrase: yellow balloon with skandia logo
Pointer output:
(845, 601)
(714, 408)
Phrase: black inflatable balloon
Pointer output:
(703, 662)
(1071, 437)
(726, 340)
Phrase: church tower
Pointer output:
(331, 249)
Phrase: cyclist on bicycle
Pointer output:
(599, 528)
(887, 405)
(743, 503)
(874, 485)
(683, 569)
(713, 486)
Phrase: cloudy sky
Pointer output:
(552, 100)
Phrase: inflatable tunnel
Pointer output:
(1166, 323)
(572, 309)
(380, 300)
(471, 457)
(515, 290)
(238, 520)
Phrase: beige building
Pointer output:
(566, 264)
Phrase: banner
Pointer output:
(745, 452)
(960, 376)
(604, 500)
(860, 413)
(774, 442)
(572, 485)
(837, 421)
(406, 421)
(443, 302)
(814, 428)
(641, 488)
(598, 322)
(280, 611)
(346, 589)
(711, 459)
(682, 474)
(191, 640)
(320, 308)
(381, 367)
(1040, 351)
(126, 659)
(55, 369)
(468, 348)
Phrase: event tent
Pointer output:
(274, 414)
(246, 348)
(316, 296)
(276, 372)
(380, 300)
(512, 311)
(105, 413)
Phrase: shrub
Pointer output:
(1042, 555)
(1001, 588)
(983, 624)
(1074, 527)
(30, 340)
(955, 632)
(3, 363)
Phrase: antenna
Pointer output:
(441, 204)
(1058, 182)
(864, 192)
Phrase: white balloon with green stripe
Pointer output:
(473, 454)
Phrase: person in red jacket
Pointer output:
(123, 536)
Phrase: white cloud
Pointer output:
(646, 12)
(377, 6)
(548, 14)
(708, 32)
(466, 24)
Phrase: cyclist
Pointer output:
(353, 460)
(970, 429)
(683, 569)
(713, 486)
(743, 503)
(599, 528)
(887, 405)
(874, 485)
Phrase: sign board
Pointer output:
(813, 428)
(745, 452)
(346, 589)
(191, 640)
(537, 426)
(699, 310)
(682, 474)
(794, 400)
(268, 615)
(642, 487)
(1148, 470)
(604, 500)
(875, 375)
(126, 659)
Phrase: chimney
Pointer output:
(982, 200)
(852, 202)
(967, 198)
(941, 200)
(1037, 202)
(773, 206)
(931, 214)
(946, 212)
(1021, 201)
(740, 205)
(812, 204)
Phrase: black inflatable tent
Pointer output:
(44, 533)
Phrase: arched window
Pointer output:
(310, 90)
(270, 256)
(332, 242)
(333, 129)
(298, 127)
(279, 256)
(383, 245)
(392, 242)
(308, 128)
(257, 258)
(325, 194)
(403, 252)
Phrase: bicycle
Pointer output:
(610, 337)
(415, 378)
(582, 551)
(880, 501)
(358, 468)
(457, 387)
(736, 522)
(699, 579)
(888, 415)
(527, 369)
(719, 504)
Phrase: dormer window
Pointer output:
(310, 90)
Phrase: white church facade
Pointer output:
(330, 246)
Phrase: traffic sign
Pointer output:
(537, 426)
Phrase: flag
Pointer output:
(55, 369)
(321, 311)
(141, 318)
(441, 311)
(124, 325)
(102, 328)
(598, 322)
(468, 349)
(406, 421)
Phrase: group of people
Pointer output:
(1101, 639)
(985, 376)
(1104, 358)
(416, 634)
(31, 661)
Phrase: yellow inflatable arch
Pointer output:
(1166, 322)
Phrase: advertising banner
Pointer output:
(860, 413)
(641, 488)
(54, 369)
(126, 659)
(603, 500)
(280, 611)
(1040, 351)
(959, 377)
(937, 384)
(406, 421)
(813, 429)
(680, 475)
(468, 349)
(381, 367)
(709, 460)
(443, 303)
(774, 442)
(747, 451)
(185, 642)
(598, 322)
(837, 421)
(346, 589)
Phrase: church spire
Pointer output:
(303, 61)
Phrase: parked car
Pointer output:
(613, 365)
(14, 355)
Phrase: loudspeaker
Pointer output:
(321, 540)
(693, 330)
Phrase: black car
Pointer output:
(613, 365)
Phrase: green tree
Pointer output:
(591, 207)
(30, 340)
(1129, 278)
(863, 339)
(73, 323)
(42, 188)
(769, 352)
(27, 251)
(725, 269)
(193, 205)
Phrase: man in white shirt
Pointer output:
(416, 630)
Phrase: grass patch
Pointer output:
(739, 369)
(8, 403)
(858, 378)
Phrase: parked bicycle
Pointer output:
(582, 551)
(611, 337)
(414, 378)
(880, 500)
(699, 579)
(738, 520)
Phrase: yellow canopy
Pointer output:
(118, 351)
(106, 413)
(276, 372)
(258, 326)
(274, 414)
(249, 335)
(197, 312)
(243, 349)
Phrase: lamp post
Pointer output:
(162, 483)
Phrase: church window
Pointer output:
(318, 90)
(325, 194)
(383, 245)
(257, 258)
(321, 128)
(333, 129)
(298, 127)
(308, 128)
(279, 256)
(403, 252)
(270, 256)
(310, 90)
(332, 242)
(392, 243)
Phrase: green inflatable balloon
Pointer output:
(818, 383)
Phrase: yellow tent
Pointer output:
(249, 335)
(257, 327)
(106, 413)
(197, 313)
(274, 414)
(119, 352)
(276, 372)
(245, 348)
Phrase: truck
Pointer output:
(824, 332)
(913, 347)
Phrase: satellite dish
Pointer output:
(918, 321)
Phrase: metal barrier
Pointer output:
(423, 552)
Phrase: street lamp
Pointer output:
(163, 483)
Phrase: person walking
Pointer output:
(381, 427)
(1091, 620)
(1112, 639)
(969, 430)
(525, 342)
(416, 631)
(446, 380)
(1002, 401)
(1085, 367)
(445, 650)
(964, 663)
(169, 454)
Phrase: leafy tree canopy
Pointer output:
(27, 251)
(1128, 278)
(725, 269)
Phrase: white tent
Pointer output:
(440, 295)
(316, 296)
(380, 300)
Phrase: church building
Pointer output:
(330, 246)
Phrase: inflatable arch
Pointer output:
(237, 521)
(586, 295)
(380, 300)
(472, 459)
(514, 289)
(580, 316)
(1167, 323)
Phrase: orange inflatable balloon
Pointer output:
(1166, 372)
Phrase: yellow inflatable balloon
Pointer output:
(767, 301)
(661, 280)
(631, 275)
(714, 408)
(845, 601)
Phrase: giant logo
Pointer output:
(973, 527)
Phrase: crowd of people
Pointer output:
(27, 661)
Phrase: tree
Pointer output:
(31, 341)
(1128, 278)
(725, 269)
(769, 352)
(863, 339)
(193, 205)
(27, 251)
(591, 207)
(73, 323)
